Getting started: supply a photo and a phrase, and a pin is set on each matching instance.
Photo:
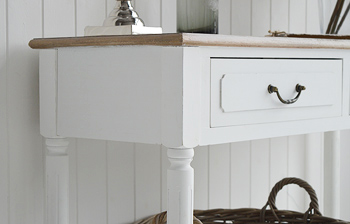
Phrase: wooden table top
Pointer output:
(186, 39)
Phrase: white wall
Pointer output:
(114, 182)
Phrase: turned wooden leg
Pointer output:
(57, 181)
(332, 174)
(180, 186)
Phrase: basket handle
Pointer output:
(292, 180)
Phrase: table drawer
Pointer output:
(239, 90)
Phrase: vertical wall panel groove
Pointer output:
(240, 173)
(312, 17)
(219, 170)
(313, 160)
(259, 172)
(225, 17)
(56, 25)
(147, 181)
(89, 13)
(345, 183)
(297, 16)
(278, 167)
(149, 11)
(321, 183)
(92, 173)
(26, 174)
(4, 147)
(296, 165)
(260, 17)
(120, 182)
(164, 164)
(279, 15)
(75, 17)
(168, 16)
(241, 17)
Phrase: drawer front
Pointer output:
(239, 90)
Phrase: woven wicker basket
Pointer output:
(262, 216)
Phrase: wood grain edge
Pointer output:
(148, 39)
(263, 42)
(187, 39)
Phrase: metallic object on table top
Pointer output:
(124, 15)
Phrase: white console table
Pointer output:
(186, 90)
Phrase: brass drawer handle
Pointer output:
(298, 88)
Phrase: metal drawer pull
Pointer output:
(298, 88)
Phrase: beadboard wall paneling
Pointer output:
(241, 17)
(345, 183)
(151, 11)
(297, 16)
(147, 180)
(261, 17)
(219, 176)
(56, 25)
(200, 165)
(225, 17)
(89, 13)
(260, 172)
(114, 183)
(120, 182)
(279, 167)
(296, 165)
(168, 25)
(25, 143)
(314, 151)
(312, 17)
(4, 149)
(240, 181)
(280, 15)
(92, 181)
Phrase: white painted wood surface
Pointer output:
(232, 77)
(136, 82)
(48, 94)
(180, 186)
(57, 181)
(23, 195)
(180, 210)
